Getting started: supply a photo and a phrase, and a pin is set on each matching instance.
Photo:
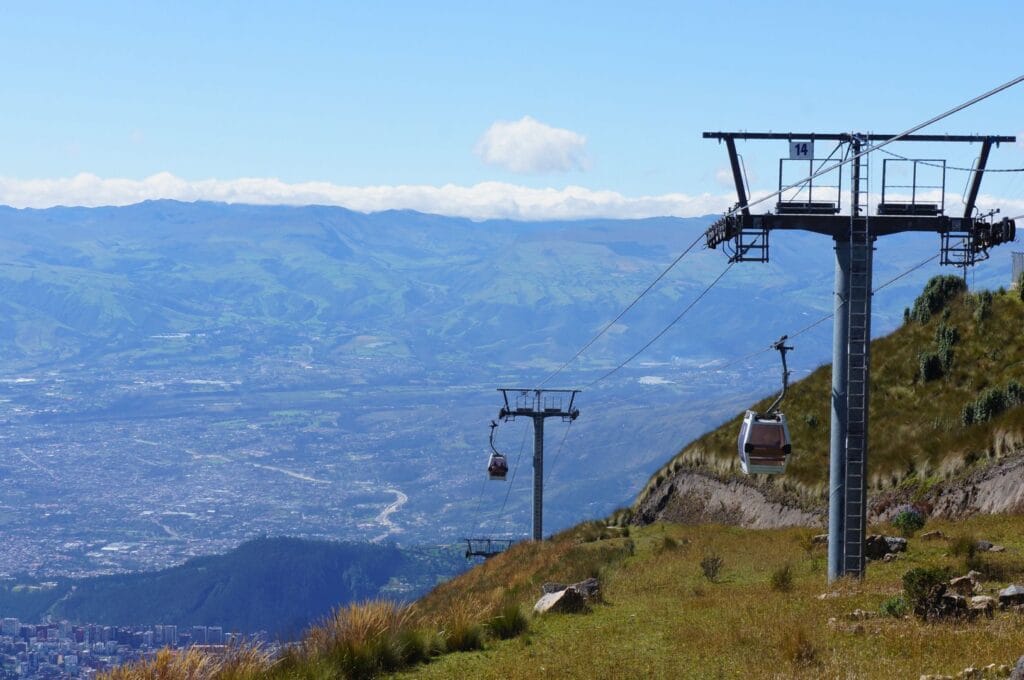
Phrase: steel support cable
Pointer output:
(628, 307)
(895, 138)
(664, 330)
(476, 513)
(522, 445)
(550, 469)
(828, 316)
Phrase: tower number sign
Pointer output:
(801, 151)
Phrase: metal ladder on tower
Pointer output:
(859, 347)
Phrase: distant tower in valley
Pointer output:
(1018, 268)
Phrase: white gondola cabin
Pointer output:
(497, 467)
(764, 444)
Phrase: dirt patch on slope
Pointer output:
(692, 497)
(995, 489)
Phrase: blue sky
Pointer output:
(329, 99)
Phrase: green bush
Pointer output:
(945, 339)
(920, 586)
(895, 607)
(782, 579)
(798, 648)
(908, 521)
(668, 544)
(963, 545)
(946, 335)
(419, 645)
(990, 404)
(464, 635)
(711, 566)
(982, 305)
(967, 414)
(1020, 286)
(1014, 393)
(930, 366)
(509, 622)
(937, 293)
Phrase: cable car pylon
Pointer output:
(815, 207)
(538, 405)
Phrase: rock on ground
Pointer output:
(877, 546)
(567, 601)
(1011, 595)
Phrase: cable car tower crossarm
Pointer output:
(964, 240)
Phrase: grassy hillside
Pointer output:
(918, 435)
(661, 616)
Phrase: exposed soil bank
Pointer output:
(692, 497)
(696, 497)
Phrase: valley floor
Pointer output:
(662, 618)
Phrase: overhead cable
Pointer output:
(828, 316)
(664, 330)
(628, 307)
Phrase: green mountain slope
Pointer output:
(279, 585)
(919, 435)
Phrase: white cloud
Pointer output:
(528, 146)
(480, 201)
(653, 380)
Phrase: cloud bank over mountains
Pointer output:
(486, 200)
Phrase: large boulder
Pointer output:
(568, 601)
(950, 603)
(877, 546)
(965, 585)
(1011, 595)
(589, 588)
(896, 544)
(982, 605)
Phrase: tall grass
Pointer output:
(238, 663)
